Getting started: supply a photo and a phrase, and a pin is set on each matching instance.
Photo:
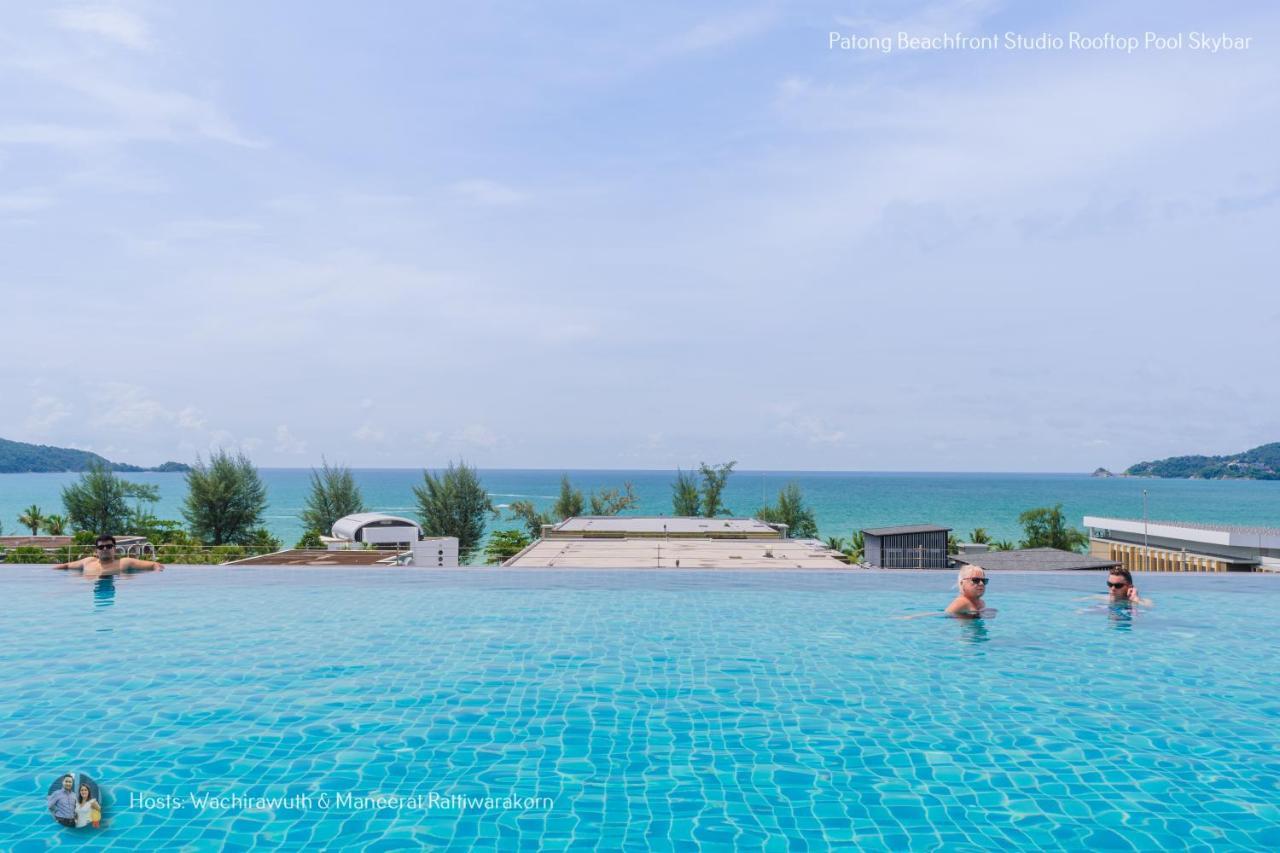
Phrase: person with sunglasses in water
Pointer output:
(973, 586)
(1120, 589)
(105, 562)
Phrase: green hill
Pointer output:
(1261, 463)
(17, 457)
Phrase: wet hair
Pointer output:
(1124, 573)
(105, 539)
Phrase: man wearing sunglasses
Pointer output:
(1120, 588)
(105, 562)
(973, 586)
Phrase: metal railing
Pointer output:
(163, 553)
(913, 558)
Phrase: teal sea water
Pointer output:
(842, 501)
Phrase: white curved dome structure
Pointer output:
(377, 529)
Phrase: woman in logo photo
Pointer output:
(87, 809)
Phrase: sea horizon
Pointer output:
(842, 501)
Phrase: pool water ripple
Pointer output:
(647, 709)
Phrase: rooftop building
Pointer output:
(658, 542)
(682, 553)
(315, 557)
(662, 526)
(1034, 560)
(1183, 545)
(906, 546)
(126, 546)
(372, 528)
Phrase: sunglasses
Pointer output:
(982, 581)
(105, 547)
(1120, 585)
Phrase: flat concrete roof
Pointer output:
(1191, 531)
(19, 541)
(314, 557)
(654, 553)
(903, 529)
(1035, 560)
(35, 541)
(658, 525)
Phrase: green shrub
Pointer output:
(310, 539)
(28, 554)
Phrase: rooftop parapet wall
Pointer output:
(660, 527)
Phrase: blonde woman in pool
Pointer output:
(969, 603)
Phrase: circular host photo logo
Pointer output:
(75, 801)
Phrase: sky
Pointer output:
(638, 235)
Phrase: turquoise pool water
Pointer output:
(639, 710)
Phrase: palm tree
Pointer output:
(979, 536)
(32, 517)
(835, 543)
(857, 548)
(1002, 545)
(55, 525)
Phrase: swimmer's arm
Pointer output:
(142, 565)
(919, 615)
(75, 564)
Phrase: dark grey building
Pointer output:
(1035, 560)
(910, 546)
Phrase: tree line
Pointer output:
(226, 500)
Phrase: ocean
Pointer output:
(842, 501)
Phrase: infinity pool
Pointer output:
(252, 707)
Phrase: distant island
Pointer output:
(17, 457)
(1261, 463)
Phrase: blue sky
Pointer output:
(636, 235)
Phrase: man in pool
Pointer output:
(973, 586)
(105, 562)
(1120, 588)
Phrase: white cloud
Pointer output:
(721, 30)
(369, 434)
(45, 412)
(477, 435)
(114, 24)
(129, 407)
(159, 114)
(190, 418)
(932, 19)
(287, 442)
(133, 112)
(811, 429)
(58, 135)
(487, 192)
(25, 202)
